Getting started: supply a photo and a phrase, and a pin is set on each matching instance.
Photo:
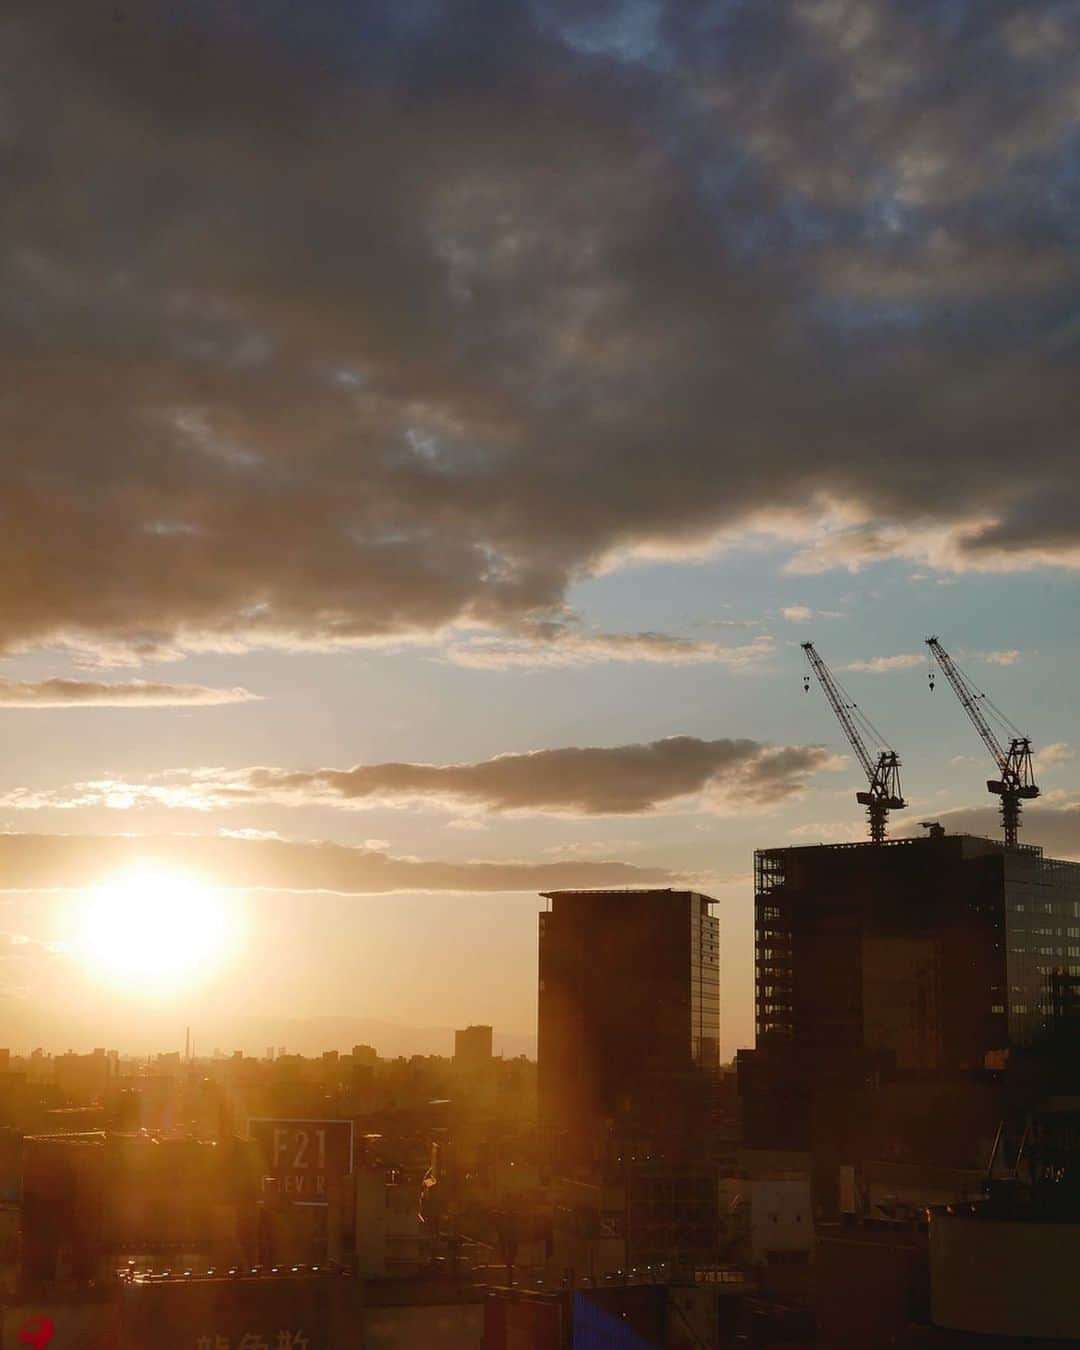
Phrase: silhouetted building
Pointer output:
(672, 1210)
(92, 1202)
(938, 950)
(628, 1022)
(928, 957)
(1003, 1267)
(872, 1286)
(472, 1048)
(84, 1076)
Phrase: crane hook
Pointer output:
(806, 684)
(931, 677)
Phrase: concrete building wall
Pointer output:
(448, 1326)
(1005, 1278)
(870, 1286)
(781, 1218)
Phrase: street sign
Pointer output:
(305, 1157)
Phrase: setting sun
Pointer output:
(153, 930)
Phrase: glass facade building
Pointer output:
(1042, 942)
(704, 986)
(628, 1019)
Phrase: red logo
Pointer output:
(37, 1332)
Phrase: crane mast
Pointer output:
(883, 773)
(1017, 781)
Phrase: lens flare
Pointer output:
(153, 931)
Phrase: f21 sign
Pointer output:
(305, 1157)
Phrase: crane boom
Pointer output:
(882, 774)
(969, 698)
(1017, 781)
(840, 707)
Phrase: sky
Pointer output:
(428, 432)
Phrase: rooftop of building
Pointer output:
(626, 892)
(970, 845)
(933, 836)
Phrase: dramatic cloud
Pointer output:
(339, 322)
(727, 775)
(31, 862)
(64, 693)
(880, 665)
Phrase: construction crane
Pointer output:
(1017, 781)
(883, 774)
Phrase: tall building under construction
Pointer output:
(932, 957)
(940, 950)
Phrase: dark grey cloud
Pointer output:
(34, 862)
(69, 693)
(334, 321)
(727, 775)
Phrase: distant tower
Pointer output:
(472, 1048)
(187, 1045)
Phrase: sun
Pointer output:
(153, 931)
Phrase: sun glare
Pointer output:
(153, 931)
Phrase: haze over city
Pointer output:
(429, 432)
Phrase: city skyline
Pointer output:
(429, 438)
